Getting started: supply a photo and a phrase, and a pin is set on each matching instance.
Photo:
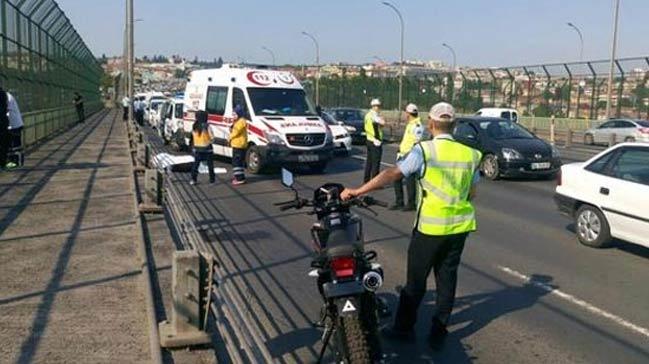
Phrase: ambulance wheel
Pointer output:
(254, 161)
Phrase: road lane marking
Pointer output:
(576, 301)
(364, 159)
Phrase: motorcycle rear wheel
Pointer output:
(356, 346)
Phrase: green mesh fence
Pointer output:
(43, 61)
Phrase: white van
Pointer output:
(283, 126)
(172, 128)
(496, 112)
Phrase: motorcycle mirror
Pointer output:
(287, 178)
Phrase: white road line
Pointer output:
(363, 159)
(576, 301)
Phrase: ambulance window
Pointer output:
(238, 98)
(179, 111)
(216, 100)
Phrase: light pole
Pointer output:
(317, 63)
(401, 58)
(131, 56)
(613, 48)
(272, 54)
(581, 40)
(454, 66)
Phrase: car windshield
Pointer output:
(505, 130)
(348, 115)
(280, 102)
(643, 123)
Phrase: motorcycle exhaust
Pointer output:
(372, 281)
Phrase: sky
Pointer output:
(482, 32)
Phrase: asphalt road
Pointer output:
(528, 292)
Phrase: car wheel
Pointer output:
(490, 167)
(254, 160)
(588, 139)
(592, 228)
(629, 139)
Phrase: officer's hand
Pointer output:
(348, 194)
(377, 143)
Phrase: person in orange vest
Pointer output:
(202, 141)
(239, 144)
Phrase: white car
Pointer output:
(172, 125)
(341, 133)
(624, 130)
(151, 110)
(608, 195)
(497, 112)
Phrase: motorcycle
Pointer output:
(347, 275)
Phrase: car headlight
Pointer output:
(555, 152)
(350, 129)
(274, 138)
(511, 154)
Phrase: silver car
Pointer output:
(625, 130)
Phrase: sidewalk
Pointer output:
(69, 281)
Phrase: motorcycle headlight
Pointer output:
(555, 152)
(274, 138)
(511, 154)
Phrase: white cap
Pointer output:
(412, 109)
(442, 111)
(375, 102)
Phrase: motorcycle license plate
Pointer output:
(545, 165)
(307, 158)
(348, 306)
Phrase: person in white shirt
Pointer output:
(125, 104)
(11, 126)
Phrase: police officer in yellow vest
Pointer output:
(447, 172)
(374, 133)
(411, 136)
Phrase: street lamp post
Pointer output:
(317, 62)
(131, 56)
(272, 54)
(401, 58)
(613, 48)
(445, 45)
(581, 40)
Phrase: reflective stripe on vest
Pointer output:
(444, 208)
(369, 128)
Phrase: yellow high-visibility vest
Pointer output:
(369, 128)
(410, 137)
(444, 206)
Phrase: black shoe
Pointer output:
(396, 207)
(408, 208)
(437, 335)
(391, 333)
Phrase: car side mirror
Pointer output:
(287, 178)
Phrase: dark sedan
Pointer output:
(509, 150)
(352, 117)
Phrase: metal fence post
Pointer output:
(552, 131)
(569, 138)
(185, 327)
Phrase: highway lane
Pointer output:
(499, 316)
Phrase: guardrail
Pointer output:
(221, 300)
(42, 124)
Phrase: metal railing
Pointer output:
(43, 62)
(566, 90)
(224, 299)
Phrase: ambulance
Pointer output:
(283, 126)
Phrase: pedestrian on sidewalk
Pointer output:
(202, 146)
(4, 128)
(126, 102)
(411, 136)
(374, 133)
(447, 172)
(239, 145)
(78, 104)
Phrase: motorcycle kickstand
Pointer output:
(325, 341)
